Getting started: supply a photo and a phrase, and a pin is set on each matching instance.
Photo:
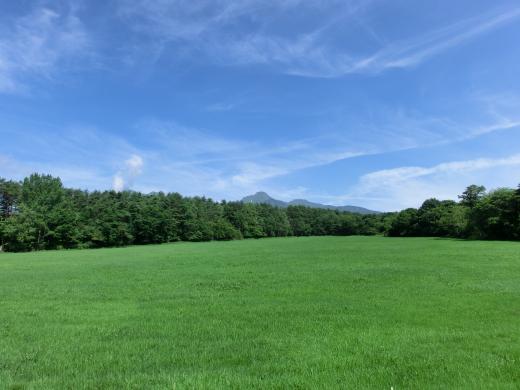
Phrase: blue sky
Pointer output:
(379, 104)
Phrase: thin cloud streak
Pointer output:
(36, 45)
(405, 173)
(399, 188)
(411, 53)
(404, 54)
(215, 166)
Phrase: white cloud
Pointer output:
(406, 173)
(221, 106)
(124, 179)
(48, 39)
(36, 45)
(235, 33)
(502, 124)
(200, 162)
(410, 53)
(307, 56)
(119, 183)
(402, 187)
(134, 165)
(82, 156)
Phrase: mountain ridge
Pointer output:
(263, 197)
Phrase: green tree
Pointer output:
(9, 197)
(495, 216)
(472, 195)
(274, 220)
(405, 224)
(301, 224)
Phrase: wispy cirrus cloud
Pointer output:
(221, 165)
(235, 33)
(307, 55)
(192, 161)
(412, 52)
(222, 106)
(243, 34)
(216, 164)
(51, 38)
(34, 46)
(48, 38)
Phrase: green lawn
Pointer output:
(324, 312)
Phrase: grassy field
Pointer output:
(325, 312)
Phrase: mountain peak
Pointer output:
(262, 194)
(262, 197)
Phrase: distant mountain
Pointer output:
(262, 197)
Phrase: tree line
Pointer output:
(40, 213)
(479, 214)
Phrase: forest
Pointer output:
(40, 213)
